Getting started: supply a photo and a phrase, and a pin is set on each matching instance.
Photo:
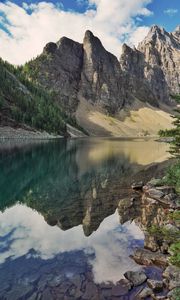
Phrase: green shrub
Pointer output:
(175, 257)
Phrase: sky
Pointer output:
(27, 26)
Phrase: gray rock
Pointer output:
(172, 276)
(160, 297)
(91, 291)
(155, 193)
(136, 277)
(146, 292)
(121, 288)
(146, 257)
(155, 285)
(167, 190)
(171, 227)
(154, 66)
(164, 248)
(170, 197)
(154, 181)
(137, 185)
(150, 243)
(101, 78)
(59, 68)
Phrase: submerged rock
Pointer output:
(122, 288)
(136, 277)
(146, 292)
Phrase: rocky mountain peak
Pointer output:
(176, 33)
(156, 35)
(88, 35)
(92, 42)
(156, 62)
(177, 30)
(50, 48)
(88, 71)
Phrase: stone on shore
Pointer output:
(137, 186)
(172, 276)
(146, 257)
(155, 285)
(155, 193)
(136, 277)
(146, 292)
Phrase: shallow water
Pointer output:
(61, 235)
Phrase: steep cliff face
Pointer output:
(132, 63)
(87, 69)
(101, 78)
(58, 68)
(149, 73)
(155, 65)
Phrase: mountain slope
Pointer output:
(27, 106)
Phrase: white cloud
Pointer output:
(171, 12)
(34, 25)
(138, 35)
(110, 243)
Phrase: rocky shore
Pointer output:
(7, 132)
(157, 251)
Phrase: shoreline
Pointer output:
(159, 239)
(10, 133)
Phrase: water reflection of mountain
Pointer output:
(66, 184)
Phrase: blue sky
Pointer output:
(28, 25)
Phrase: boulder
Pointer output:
(164, 248)
(146, 292)
(121, 288)
(160, 297)
(137, 186)
(172, 276)
(155, 194)
(136, 277)
(166, 189)
(155, 285)
(146, 257)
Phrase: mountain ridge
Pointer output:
(86, 78)
(100, 75)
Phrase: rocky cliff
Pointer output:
(101, 76)
(149, 73)
(153, 69)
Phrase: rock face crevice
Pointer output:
(150, 73)
(101, 78)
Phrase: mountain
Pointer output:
(28, 107)
(130, 96)
(154, 67)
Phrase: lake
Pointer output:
(64, 233)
